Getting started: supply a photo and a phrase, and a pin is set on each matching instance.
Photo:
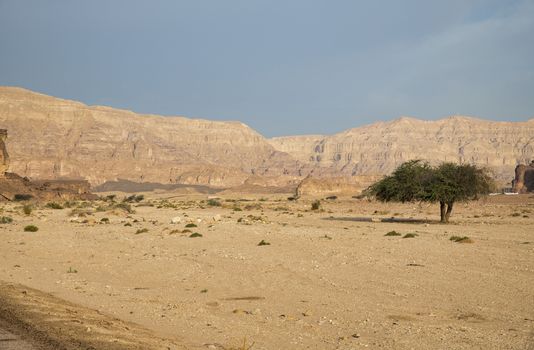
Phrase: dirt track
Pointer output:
(33, 320)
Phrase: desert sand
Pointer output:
(327, 279)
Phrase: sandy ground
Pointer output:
(325, 281)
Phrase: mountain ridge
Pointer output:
(52, 138)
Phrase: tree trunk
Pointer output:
(449, 211)
(443, 211)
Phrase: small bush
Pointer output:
(141, 230)
(5, 220)
(134, 198)
(27, 209)
(111, 197)
(53, 205)
(392, 233)
(71, 270)
(104, 220)
(124, 206)
(31, 228)
(263, 243)
(127, 224)
(22, 197)
(515, 214)
(195, 234)
(213, 203)
(410, 235)
(316, 205)
(81, 212)
(191, 225)
(459, 239)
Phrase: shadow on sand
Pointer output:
(391, 219)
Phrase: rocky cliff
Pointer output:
(53, 138)
(379, 148)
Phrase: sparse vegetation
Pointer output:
(213, 203)
(31, 228)
(460, 239)
(190, 225)
(5, 220)
(195, 234)
(141, 230)
(53, 205)
(71, 270)
(134, 198)
(128, 224)
(392, 233)
(410, 235)
(123, 206)
(262, 242)
(104, 220)
(316, 205)
(81, 212)
(27, 209)
(22, 197)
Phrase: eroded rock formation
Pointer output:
(14, 187)
(4, 157)
(524, 178)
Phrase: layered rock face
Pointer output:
(381, 147)
(53, 138)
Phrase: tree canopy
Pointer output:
(447, 183)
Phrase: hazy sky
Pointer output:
(281, 66)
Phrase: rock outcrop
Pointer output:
(4, 157)
(15, 187)
(381, 147)
(524, 178)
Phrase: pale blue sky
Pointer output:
(282, 67)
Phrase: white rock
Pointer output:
(176, 220)
(217, 217)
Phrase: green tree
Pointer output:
(446, 184)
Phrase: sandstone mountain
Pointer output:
(51, 138)
(379, 148)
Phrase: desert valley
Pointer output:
(128, 231)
